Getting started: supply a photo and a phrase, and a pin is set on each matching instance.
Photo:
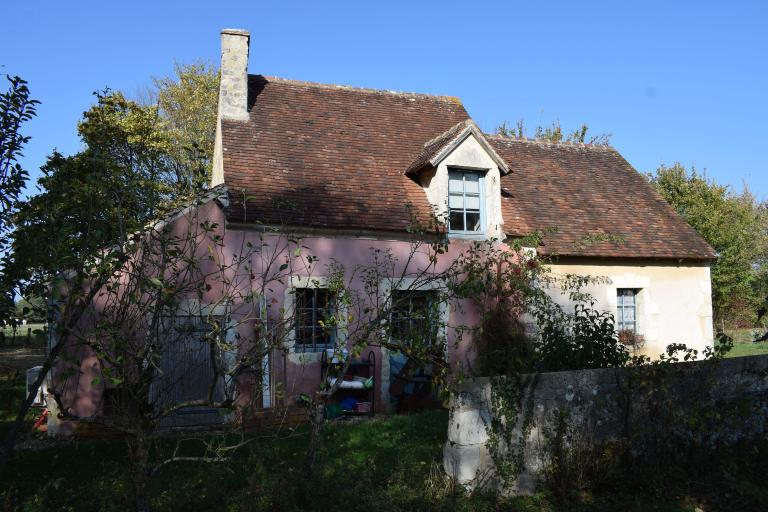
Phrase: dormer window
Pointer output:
(465, 202)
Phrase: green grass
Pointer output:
(38, 335)
(743, 344)
(389, 464)
(12, 388)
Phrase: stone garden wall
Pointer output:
(501, 430)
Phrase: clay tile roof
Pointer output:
(598, 204)
(330, 156)
(439, 147)
(336, 157)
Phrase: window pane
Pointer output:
(472, 183)
(304, 317)
(626, 305)
(304, 335)
(455, 182)
(414, 316)
(455, 201)
(473, 221)
(313, 305)
(456, 220)
(473, 202)
(303, 298)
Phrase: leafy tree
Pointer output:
(553, 133)
(734, 224)
(91, 200)
(33, 309)
(585, 339)
(501, 283)
(68, 240)
(188, 105)
(16, 108)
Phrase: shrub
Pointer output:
(635, 342)
(585, 339)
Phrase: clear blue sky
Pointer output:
(672, 81)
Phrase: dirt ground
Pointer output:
(15, 359)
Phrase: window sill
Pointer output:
(304, 357)
(468, 236)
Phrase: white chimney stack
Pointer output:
(233, 91)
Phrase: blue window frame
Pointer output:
(466, 213)
(626, 309)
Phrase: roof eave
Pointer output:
(471, 129)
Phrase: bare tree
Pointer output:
(170, 336)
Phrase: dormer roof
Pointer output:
(437, 149)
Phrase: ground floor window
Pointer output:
(415, 316)
(626, 309)
(315, 319)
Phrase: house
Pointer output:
(350, 158)
(338, 165)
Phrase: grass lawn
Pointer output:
(38, 337)
(388, 464)
(743, 345)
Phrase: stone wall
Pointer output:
(703, 404)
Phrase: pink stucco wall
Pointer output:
(352, 253)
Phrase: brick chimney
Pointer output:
(233, 90)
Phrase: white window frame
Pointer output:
(621, 306)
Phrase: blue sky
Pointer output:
(671, 81)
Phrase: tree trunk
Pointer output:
(138, 451)
(316, 413)
(316, 420)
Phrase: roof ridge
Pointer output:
(559, 145)
(455, 127)
(305, 83)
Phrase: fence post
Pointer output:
(29, 336)
(2, 337)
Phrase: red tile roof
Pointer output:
(598, 204)
(335, 157)
(330, 156)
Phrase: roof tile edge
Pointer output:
(304, 83)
